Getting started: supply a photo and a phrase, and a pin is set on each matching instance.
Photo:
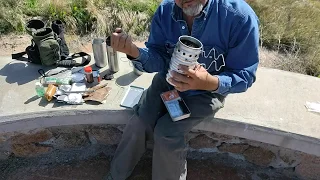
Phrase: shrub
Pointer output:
(81, 17)
(10, 16)
(291, 27)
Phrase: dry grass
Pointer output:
(82, 17)
(292, 28)
(288, 27)
(276, 60)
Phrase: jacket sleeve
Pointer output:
(153, 58)
(242, 59)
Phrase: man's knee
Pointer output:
(166, 132)
(168, 141)
(136, 125)
(159, 78)
(159, 83)
(174, 132)
(145, 118)
(151, 107)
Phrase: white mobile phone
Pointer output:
(132, 96)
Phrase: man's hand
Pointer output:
(122, 42)
(194, 79)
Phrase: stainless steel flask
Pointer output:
(99, 52)
(113, 57)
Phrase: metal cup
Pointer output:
(99, 52)
(113, 57)
(186, 52)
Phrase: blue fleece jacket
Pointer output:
(229, 31)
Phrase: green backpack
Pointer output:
(48, 46)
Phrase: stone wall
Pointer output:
(43, 141)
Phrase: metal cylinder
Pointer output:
(113, 59)
(99, 52)
(186, 52)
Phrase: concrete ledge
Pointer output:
(272, 111)
(288, 140)
(262, 134)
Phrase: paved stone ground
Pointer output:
(76, 166)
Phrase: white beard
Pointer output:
(193, 11)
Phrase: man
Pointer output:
(229, 32)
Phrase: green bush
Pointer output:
(5, 26)
(139, 6)
(55, 12)
(10, 16)
(287, 26)
(84, 18)
(31, 7)
(81, 16)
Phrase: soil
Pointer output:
(13, 44)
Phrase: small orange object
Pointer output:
(89, 75)
(50, 92)
(88, 69)
(99, 78)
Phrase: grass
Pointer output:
(289, 27)
(292, 28)
(82, 17)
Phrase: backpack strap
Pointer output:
(33, 54)
(70, 62)
(18, 56)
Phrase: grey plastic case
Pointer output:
(132, 96)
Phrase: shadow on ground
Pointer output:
(126, 79)
(20, 72)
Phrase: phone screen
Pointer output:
(175, 105)
(174, 108)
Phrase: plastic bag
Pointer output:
(313, 106)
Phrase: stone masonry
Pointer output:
(43, 141)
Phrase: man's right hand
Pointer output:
(122, 42)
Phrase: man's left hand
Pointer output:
(194, 79)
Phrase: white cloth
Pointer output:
(72, 98)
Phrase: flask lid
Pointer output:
(88, 69)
